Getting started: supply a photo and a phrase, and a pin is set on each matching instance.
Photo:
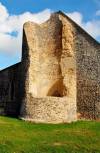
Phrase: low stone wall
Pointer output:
(11, 90)
(49, 110)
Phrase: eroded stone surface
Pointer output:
(58, 79)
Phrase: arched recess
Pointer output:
(56, 90)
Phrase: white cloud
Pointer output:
(3, 13)
(76, 16)
(10, 44)
(92, 26)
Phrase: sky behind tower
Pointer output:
(14, 13)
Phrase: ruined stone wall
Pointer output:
(88, 64)
(45, 44)
(60, 66)
(10, 90)
(87, 55)
(51, 78)
(97, 104)
(68, 58)
(49, 110)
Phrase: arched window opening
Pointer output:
(56, 94)
(56, 90)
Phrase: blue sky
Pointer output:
(86, 7)
(14, 13)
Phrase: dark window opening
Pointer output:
(56, 89)
(56, 94)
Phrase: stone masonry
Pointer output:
(58, 78)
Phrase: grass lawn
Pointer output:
(17, 136)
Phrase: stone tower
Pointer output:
(58, 79)
(51, 75)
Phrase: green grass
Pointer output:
(17, 136)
